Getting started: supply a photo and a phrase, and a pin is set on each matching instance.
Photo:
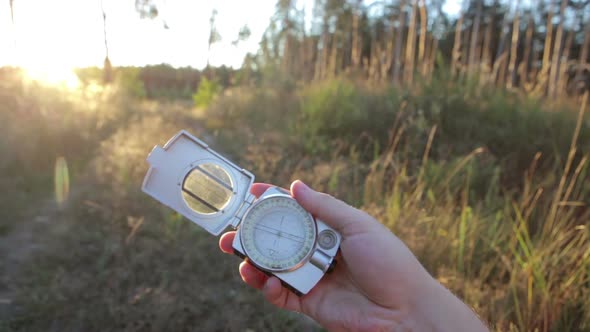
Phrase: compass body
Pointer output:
(274, 232)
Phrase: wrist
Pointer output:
(436, 309)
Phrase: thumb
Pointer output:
(344, 218)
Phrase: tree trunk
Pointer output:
(356, 36)
(563, 67)
(433, 54)
(474, 39)
(410, 46)
(514, 47)
(499, 71)
(456, 54)
(107, 68)
(583, 57)
(389, 48)
(524, 67)
(332, 64)
(374, 59)
(398, 43)
(11, 4)
(464, 58)
(423, 32)
(324, 54)
(388, 62)
(554, 73)
(543, 78)
(486, 65)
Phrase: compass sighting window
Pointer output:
(207, 188)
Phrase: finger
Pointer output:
(276, 294)
(225, 242)
(335, 213)
(258, 189)
(252, 276)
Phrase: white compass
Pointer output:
(273, 232)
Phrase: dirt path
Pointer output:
(26, 237)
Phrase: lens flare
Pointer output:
(62, 181)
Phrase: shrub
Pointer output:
(339, 112)
(129, 81)
(206, 92)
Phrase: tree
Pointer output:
(11, 4)
(146, 8)
(398, 43)
(474, 39)
(391, 40)
(214, 35)
(514, 46)
(243, 35)
(553, 75)
(107, 67)
(411, 44)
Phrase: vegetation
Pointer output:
(405, 42)
(469, 138)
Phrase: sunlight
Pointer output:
(57, 76)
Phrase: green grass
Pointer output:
(452, 169)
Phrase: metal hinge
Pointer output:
(242, 210)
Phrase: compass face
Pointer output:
(277, 234)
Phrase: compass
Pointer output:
(278, 234)
(274, 232)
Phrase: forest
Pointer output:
(467, 134)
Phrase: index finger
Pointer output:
(258, 189)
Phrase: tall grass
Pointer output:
(489, 188)
(521, 260)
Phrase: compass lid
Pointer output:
(192, 179)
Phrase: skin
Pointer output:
(377, 285)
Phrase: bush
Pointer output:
(129, 81)
(206, 92)
(344, 113)
(513, 128)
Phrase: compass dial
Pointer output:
(277, 234)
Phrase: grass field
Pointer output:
(489, 188)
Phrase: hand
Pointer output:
(377, 285)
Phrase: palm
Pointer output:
(350, 297)
(335, 302)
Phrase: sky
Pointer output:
(70, 32)
(61, 34)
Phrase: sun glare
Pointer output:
(57, 76)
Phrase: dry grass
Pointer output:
(518, 251)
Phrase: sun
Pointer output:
(61, 76)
